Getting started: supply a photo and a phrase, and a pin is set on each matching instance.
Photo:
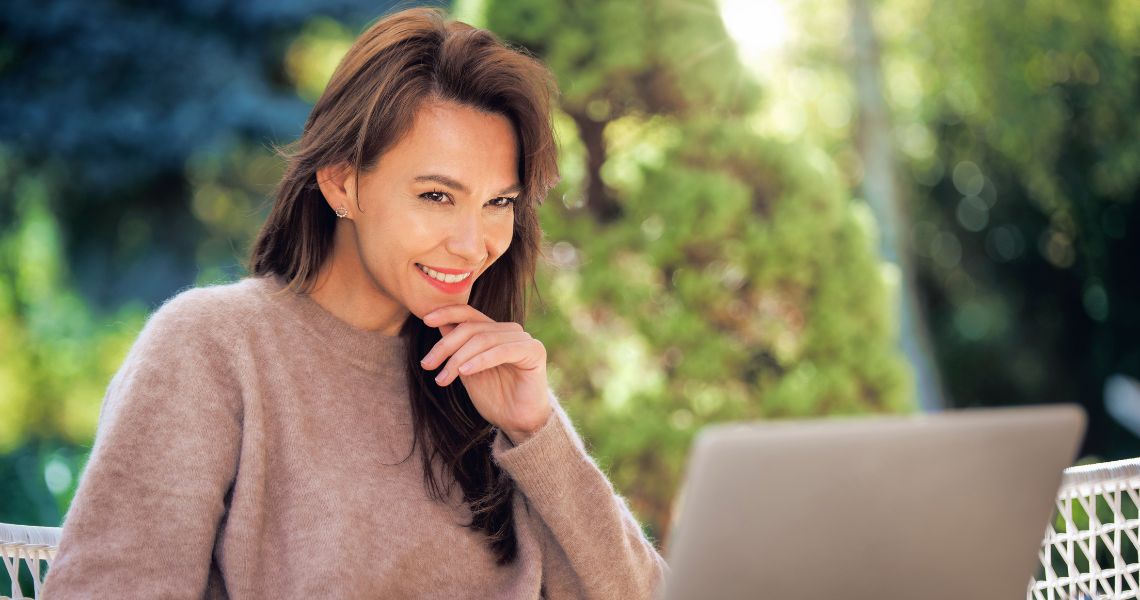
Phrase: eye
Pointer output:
(434, 197)
(503, 202)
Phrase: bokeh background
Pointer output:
(770, 208)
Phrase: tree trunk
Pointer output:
(880, 186)
(599, 202)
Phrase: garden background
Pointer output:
(769, 209)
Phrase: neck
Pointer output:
(345, 289)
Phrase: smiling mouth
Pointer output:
(444, 277)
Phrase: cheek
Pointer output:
(395, 235)
(500, 236)
(384, 249)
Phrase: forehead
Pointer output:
(475, 147)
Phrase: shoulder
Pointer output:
(204, 317)
(184, 363)
(200, 333)
(210, 306)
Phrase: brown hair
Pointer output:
(399, 62)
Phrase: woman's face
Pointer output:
(442, 198)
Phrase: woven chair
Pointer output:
(1090, 550)
(27, 547)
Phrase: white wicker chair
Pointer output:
(27, 547)
(1090, 550)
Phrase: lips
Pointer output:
(444, 286)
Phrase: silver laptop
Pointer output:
(937, 506)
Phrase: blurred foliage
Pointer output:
(1016, 122)
(133, 163)
(700, 271)
(57, 356)
(707, 260)
(1014, 133)
(115, 97)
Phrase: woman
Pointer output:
(260, 438)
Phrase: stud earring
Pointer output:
(341, 212)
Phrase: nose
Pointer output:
(467, 238)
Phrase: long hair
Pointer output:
(398, 63)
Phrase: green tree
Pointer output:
(1017, 126)
(132, 164)
(700, 271)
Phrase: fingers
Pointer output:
(456, 336)
(520, 353)
(454, 313)
(466, 333)
(478, 344)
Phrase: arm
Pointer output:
(594, 546)
(143, 520)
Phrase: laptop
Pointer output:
(934, 506)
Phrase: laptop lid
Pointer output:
(944, 505)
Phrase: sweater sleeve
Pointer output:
(594, 546)
(143, 521)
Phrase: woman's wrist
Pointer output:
(518, 436)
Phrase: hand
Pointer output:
(502, 367)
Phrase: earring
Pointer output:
(341, 212)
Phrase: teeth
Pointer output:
(442, 276)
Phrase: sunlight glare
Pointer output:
(758, 27)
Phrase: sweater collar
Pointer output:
(370, 350)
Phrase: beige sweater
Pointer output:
(250, 447)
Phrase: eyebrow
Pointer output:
(453, 184)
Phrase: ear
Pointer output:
(338, 186)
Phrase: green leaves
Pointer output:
(740, 281)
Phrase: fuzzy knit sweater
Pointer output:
(250, 446)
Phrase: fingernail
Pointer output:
(439, 378)
(465, 368)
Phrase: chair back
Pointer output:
(26, 552)
(1090, 549)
